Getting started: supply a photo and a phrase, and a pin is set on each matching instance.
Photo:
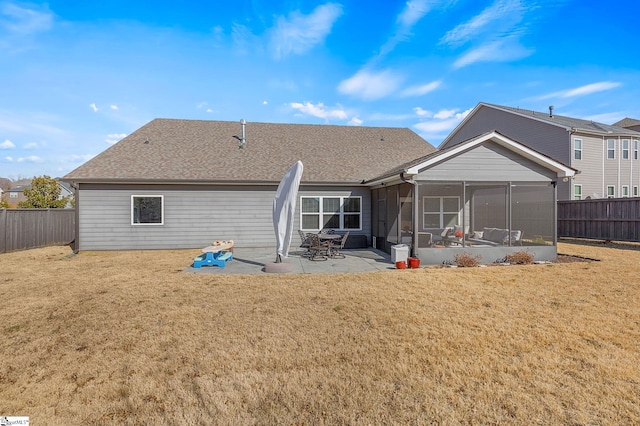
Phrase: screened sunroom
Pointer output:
(487, 197)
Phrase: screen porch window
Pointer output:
(339, 213)
(625, 190)
(440, 212)
(611, 191)
(147, 210)
(625, 149)
(577, 149)
(611, 149)
(577, 192)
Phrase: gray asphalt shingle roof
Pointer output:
(207, 151)
(569, 122)
(627, 122)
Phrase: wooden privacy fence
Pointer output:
(22, 229)
(612, 219)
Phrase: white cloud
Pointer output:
(79, 158)
(499, 18)
(31, 145)
(444, 121)
(411, 14)
(369, 85)
(496, 51)
(8, 159)
(319, 110)
(93, 107)
(587, 89)
(29, 159)
(422, 112)
(355, 121)
(24, 21)
(298, 33)
(7, 144)
(445, 114)
(114, 107)
(422, 89)
(112, 138)
(494, 34)
(201, 105)
(264, 102)
(209, 110)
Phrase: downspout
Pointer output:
(76, 242)
(414, 219)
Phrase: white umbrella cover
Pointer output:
(284, 207)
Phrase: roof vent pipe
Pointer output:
(243, 141)
(551, 111)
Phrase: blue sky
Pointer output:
(77, 76)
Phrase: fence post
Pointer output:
(3, 230)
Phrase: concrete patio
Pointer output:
(253, 261)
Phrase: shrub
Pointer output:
(465, 260)
(520, 258)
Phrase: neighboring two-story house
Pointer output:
(605, 155)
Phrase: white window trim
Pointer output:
(576, 149)
(576, 186)
(626, 151)
(635, 149)
(635, 190)
(613, 195)
(148, 196)
(625, 187)
(341, 213)
(441, 212)
(611, 149)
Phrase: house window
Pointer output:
(625, 149)
(635, 190)
(635, 149)
(440, 212)
(13, 195)
(611, 191)
(341, 213)
(147, 210)
(577, 192)
(625, 190)
(611, 149)
(577, 149)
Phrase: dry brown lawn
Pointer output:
(127, 338)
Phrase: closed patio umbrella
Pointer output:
(284, 207)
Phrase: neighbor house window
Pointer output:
(341, 213)
(625, 149)
(625, 190)
(611, 149)
(147, 210)
(13, 195)
(577, 192)
(440, 212)
(577, 149)
(635, 149)
(635, 190)
(611, 191)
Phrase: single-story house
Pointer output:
(184, 183)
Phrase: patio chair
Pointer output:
(317, 249)
(304, 238)
(336, 246)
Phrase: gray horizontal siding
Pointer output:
(543, 137)
(193, 216)
(487, 162)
